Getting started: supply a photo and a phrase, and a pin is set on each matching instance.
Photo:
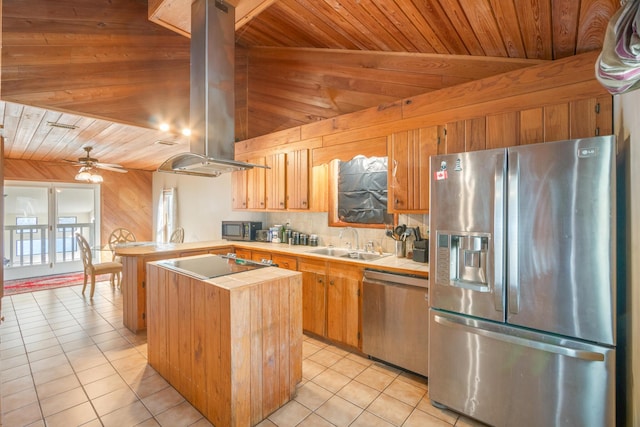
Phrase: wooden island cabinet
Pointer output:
(231, 345)
(135, 257)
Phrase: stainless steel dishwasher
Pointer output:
(395, 319)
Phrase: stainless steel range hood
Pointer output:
(212, 97)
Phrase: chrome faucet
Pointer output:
(355, 233)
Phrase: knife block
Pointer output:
(421, 251)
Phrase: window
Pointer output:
(26, 220)
(67, 220)
(359, 193)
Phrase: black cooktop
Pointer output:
(209, 266)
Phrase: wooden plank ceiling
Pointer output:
(104, 67)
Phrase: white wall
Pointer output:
(627, 125)
(209, 203)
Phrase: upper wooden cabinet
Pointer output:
(570, 120)
(284, 185)
(298, 179)
(276, 181)
(408, 176)
(239, 189)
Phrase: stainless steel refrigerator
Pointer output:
(523, 284)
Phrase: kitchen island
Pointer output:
(231, 345)
(135, 257)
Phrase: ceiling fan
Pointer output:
(88, 170)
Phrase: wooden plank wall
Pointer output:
(548, 84)
(126, 199)
(289, 87)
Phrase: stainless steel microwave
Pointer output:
(240, 230)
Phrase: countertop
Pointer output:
(238, 280)
(390, 263)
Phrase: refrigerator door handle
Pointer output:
(591, 356)
(513, 214)
(498, 233)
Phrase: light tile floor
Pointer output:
(67, 361)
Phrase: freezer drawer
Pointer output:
(506, 376)
(395, 322)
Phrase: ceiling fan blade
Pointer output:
(110, 167)
(74, 162)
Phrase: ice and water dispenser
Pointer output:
(462, 260)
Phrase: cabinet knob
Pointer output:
(331, 282)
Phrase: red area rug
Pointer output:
(32, 284)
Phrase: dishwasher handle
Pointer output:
(398, 279)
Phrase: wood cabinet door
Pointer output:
(298, 179)
(221, 251)
(239, 189)
(314, 302)
(408, 178)
(314, 314)
(285, 261)
(243, 253)
(502, 130)
(343, 303)
(342, 310)
(591, 117)
(319, 188)
(260, 255)
(455, 136)
(256, 185)
(276, 181)
(398, 172)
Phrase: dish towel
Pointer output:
(618, 66)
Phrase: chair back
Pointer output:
(177, 236)
(120, 235)
(85, 251)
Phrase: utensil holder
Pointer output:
(401, 248)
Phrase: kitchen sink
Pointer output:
(330, 251)
(364, 256)
(345, 253)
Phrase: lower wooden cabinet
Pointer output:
(331, 300)
(314, 296)
(285, 261)
(243, 253)
(343, 304)
(330, 294)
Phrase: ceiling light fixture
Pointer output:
(62, 125)
(88, 174)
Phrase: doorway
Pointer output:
(40, 221)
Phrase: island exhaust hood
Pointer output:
(212, 105)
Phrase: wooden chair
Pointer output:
(93, 270)
(119, 235)
(177, 236)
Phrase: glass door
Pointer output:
(40, 222)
